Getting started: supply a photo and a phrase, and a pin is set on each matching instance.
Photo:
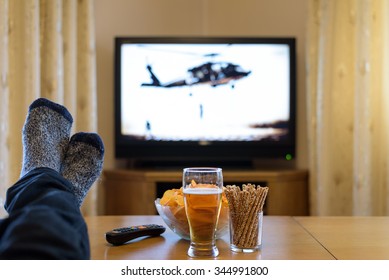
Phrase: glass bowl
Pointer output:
(175, 218)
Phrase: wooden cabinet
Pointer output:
(132, 192)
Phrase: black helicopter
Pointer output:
(212, 73)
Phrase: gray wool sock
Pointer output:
(83, 162)
(45, 135)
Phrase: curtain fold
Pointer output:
(47, 49)
(4, 104)
(347, 66)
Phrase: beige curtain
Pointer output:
(47, 48)
(348, 106)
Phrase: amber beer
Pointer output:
(203, 188)
(202, 210)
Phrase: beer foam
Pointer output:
(203, 191)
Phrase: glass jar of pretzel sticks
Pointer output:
(246, 216)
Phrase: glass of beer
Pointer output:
(203, 187)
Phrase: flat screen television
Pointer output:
(209, 100)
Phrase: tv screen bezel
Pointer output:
(125, 148)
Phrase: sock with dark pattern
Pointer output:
(83, 162)
(45, 135)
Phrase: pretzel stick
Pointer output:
(233, 203)
(250, 219)
(253, 234)
(231, 195)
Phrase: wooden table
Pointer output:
(350, 238)
(284, 238)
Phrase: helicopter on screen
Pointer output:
(211, 73)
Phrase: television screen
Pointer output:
(223, 97)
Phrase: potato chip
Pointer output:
(167, 196)
(180, 200)
(180, 214)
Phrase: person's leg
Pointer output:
(44, 218)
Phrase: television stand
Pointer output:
(133, 191)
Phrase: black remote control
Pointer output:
(120, 236)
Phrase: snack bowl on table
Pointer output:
(174, 217)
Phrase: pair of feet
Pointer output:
(47, 143)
